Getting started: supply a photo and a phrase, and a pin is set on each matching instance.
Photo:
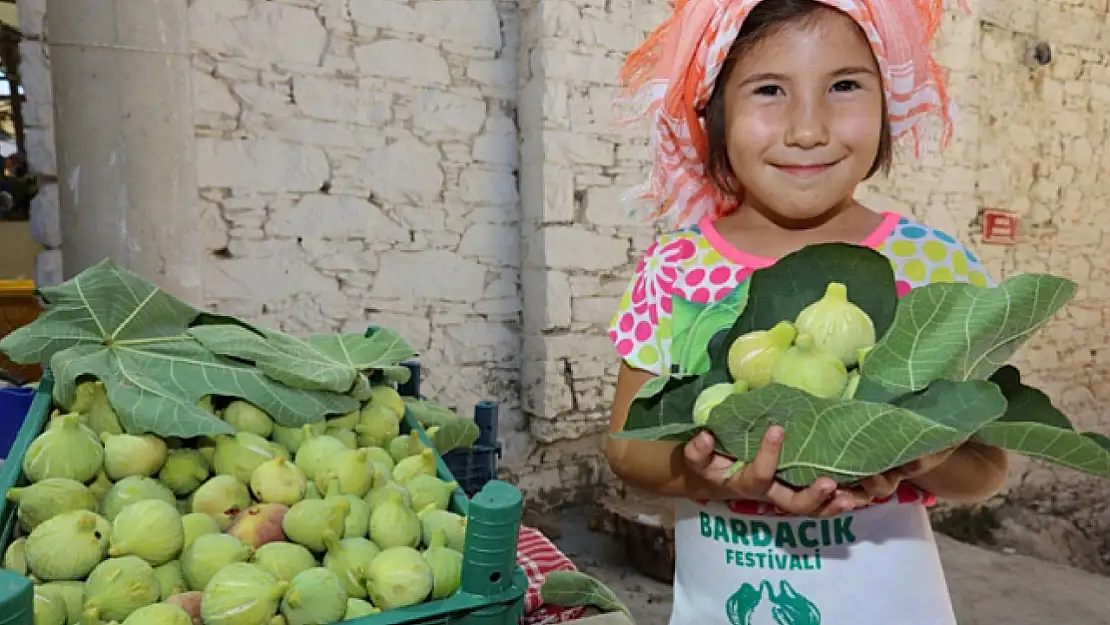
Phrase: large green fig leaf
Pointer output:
(963, 332)
(1034, 427)
(676, 431)
(329, 362)
(574, 588)
(459, 433)
(429, 413)
(695, 325)
(453, 431)
(112, 324)
(781, 291)
(394, 374)
(844, 440)
(668, 399)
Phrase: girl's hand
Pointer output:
(757, 480)
(885, 484)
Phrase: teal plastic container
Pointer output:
(17, 599)
(493, 586)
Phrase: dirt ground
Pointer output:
(988, 587)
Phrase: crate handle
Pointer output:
(412, 387)
(18, 598)
(492, 530)
(486, 414)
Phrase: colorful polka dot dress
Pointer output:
(698, 265)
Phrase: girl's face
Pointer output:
(803, 117)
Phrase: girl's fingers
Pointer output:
(856, 498)
(758, 477)
(757, 480)
(883, 485)
(805, 501)
(718, 470)
(701, 457)
(839, 504)
(874, 486)
(912, 468)
(698, 453)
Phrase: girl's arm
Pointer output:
(972, 474)
(657, 467)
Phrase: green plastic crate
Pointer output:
(493, 586)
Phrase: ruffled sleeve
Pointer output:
(634, 329)
(641, 328)
(976, 272)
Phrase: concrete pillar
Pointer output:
(124, 136)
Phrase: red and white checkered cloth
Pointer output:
(537, 556)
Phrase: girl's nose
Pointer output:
(808, 125)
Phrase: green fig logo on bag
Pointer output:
(763, 606)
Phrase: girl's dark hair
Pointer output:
(766, 19)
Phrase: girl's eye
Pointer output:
(845, 85)
(767, 90)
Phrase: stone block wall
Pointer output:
(357, 164)
(450, 168)
(580, 247)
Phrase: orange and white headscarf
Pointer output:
(670, 77)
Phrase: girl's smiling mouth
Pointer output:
(804, 171)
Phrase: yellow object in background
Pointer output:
(9, 288)
(9, 14)
(18, 250)
(18, 306)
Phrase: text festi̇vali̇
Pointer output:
(761, 544)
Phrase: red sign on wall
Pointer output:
(999, 227)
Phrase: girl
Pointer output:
(766, 115)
